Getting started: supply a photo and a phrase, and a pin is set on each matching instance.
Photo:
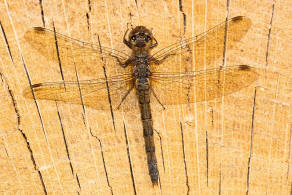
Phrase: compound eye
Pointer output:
(133, 38)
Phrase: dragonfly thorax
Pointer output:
(141, 72)
(141, 60)
(141, 67)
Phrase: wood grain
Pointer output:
(240, 144)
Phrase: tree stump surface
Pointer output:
(239, 144)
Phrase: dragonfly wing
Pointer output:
(189, 87)
(197, 52)
(95, 93)
(89, 58)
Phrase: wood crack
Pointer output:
(6, 151)
(183, 14)
(81, 98)
(107, 87)
(88, 15)
(64, 138)
(88, 21)
(270, 32)
(136, 3)
(33, 160)
(66, 145)
(35, 101)
(6, 42)
(78, 182)
(251, 142)
(42, 12)
(89, 5)
(23, 134)
(212, 114)
(58, 55)
(184, 156)
(103, 160)
(161, 149)
(129, 158)
(83, 119)
(226, 33)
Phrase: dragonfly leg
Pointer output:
(156, 61)
(123, 64)
(157, 98)
(125, 96)
(126, 42)
(155, 44)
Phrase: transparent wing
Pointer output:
(194, 53)
(88, 58)
(95, 93)
(189, 87)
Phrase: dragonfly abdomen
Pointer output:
(146, 117)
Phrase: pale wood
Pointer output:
(33, 149)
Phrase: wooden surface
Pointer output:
(239, 144)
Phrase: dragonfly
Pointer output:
(181, 73)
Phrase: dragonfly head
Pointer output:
(141, 37)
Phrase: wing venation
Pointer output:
(183, 88)
(95, 93)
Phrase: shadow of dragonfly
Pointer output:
(180, 73)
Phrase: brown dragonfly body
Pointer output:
(181, 73)
(141, 41)
(143, 93)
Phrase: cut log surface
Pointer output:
(238, 143)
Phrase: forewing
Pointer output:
(95, 93)
(189, 87)
(199, 52)
(88, 58)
